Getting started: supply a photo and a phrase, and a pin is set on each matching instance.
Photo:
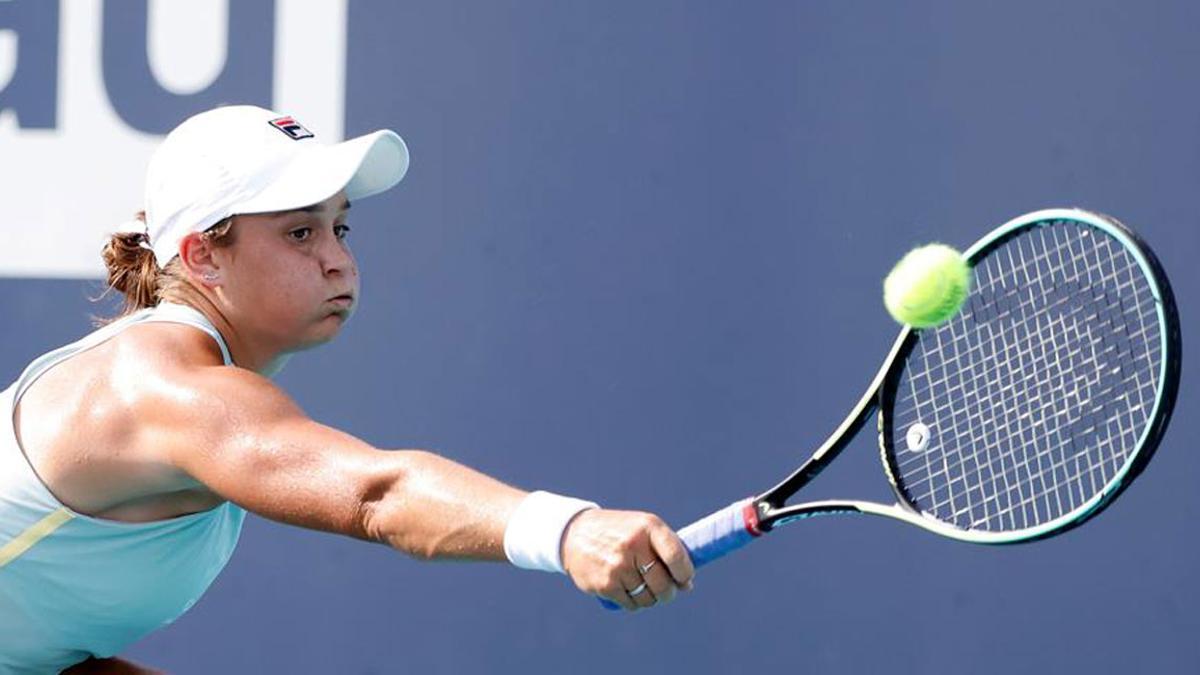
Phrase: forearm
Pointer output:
(436, 508)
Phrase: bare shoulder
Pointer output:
(101, 428)
(175, 374)
(160, 415)
(186, 396)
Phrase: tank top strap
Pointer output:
(170, 312)
(165, 312)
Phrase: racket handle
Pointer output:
(716, 535)
(721, 532)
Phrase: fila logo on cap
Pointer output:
(291, 127)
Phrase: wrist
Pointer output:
(533, 536)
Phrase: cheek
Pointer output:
(263, 284)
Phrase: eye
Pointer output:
(341, 231)
(300, 233)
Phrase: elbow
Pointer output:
(389, 507)
(427, 552)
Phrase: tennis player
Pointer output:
(129, 459)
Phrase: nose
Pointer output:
(336, 258)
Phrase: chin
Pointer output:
(323, 332)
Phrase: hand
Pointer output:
(610, 553)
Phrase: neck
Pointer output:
(245, 351)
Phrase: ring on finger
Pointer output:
(647, 567)
(641, 588)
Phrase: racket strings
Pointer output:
(1034, 479)
(1036, 395)
(1032, 498)
(1015, 368)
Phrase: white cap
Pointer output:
(245, 159)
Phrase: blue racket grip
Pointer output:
(716, 535)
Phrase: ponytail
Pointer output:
(134, 271)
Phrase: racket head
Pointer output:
(1032, 409)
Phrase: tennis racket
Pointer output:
(1021, 417)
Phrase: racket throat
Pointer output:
(790, 514)
(762, 515)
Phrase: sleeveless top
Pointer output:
(74, 586)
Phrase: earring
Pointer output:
(209, 277)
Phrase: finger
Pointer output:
(673, 555)
(621, 598)
(630, 580)
(659, 580)
(623, 581)
(642, 595)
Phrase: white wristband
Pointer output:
(533, 537)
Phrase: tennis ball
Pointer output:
(927, 286)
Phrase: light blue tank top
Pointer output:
(74, 586)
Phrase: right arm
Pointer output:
(244, 439)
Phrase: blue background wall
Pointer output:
(638, 259)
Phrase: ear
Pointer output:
(196, 256)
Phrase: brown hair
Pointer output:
(133, 271)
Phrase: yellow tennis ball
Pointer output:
(927, 286)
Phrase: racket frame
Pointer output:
(770, 508)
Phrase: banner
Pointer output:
(82, 105)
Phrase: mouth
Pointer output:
(344, 300)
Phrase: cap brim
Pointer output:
(361, 166)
